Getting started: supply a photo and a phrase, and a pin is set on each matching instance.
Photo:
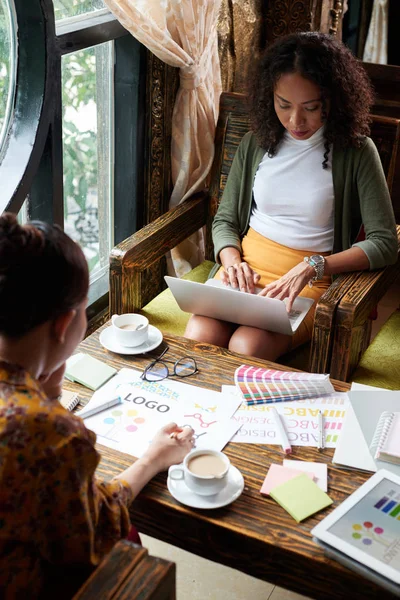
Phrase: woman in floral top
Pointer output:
(56, 520)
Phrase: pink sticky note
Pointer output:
(319, 471)
(277, 474)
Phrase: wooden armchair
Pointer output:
(129, 572)
(130, 259)
(352, 332)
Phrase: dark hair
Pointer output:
(43, 274)
(329, 64)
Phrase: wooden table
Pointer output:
(254, 534)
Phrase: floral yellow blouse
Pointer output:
(54, 515)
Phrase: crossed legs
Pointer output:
(249, 341)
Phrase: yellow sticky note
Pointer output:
(300, 497)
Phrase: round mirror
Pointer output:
(8, 67)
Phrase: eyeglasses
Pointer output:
(157, 370)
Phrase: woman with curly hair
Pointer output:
(301, 185)
(57, 521)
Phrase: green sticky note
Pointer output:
(88, 371)
(301, 497)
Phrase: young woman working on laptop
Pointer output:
(56, 520)
(301, 185)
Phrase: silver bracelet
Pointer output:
(318, 263)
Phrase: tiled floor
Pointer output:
(200, 579)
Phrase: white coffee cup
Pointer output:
(202, 476)
(130, 329)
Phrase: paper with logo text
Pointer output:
(300, 418)
(148, 406)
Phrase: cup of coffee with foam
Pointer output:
(130, 329)
(204, 471)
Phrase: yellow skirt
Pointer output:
(271, 261)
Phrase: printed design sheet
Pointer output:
(300, 420)
(146, 407)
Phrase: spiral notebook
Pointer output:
(69, 400)
(360, 425)
(386, 441)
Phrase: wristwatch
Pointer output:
(318, 263)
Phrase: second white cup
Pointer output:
(204, 471)
(130, 329)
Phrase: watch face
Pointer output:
(316, 258)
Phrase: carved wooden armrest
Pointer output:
(129, 572)
(145, 247)
(353, 325)
(324, 322)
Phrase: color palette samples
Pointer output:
(388, 506)
(262, 386)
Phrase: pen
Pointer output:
(321, 440)
(286, 447)
(99, 408)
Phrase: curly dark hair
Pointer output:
(329, 64)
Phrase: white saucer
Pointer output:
(107, 339)
(234, 487)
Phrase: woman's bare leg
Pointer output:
(252, 341)
(210, 331)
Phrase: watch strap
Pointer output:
(318, 263)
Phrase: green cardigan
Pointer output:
(361, 198)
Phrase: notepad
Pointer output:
(88, 371)
(300, 497)
(386, 440)
(69, 400)
(277, 475)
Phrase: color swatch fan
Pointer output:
(262, 386)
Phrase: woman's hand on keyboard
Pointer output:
(240, 275)
(290, 285)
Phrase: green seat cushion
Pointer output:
(380, 363)
(164, 313)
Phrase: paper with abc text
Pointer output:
(300, 418)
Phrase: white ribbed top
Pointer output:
(293, 195)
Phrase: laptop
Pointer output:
(214, 299)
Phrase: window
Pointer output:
(71, 8)
(8, 51)
(88, 152)
(79, 101)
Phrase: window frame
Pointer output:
(32, 158)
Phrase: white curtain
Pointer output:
(183, 33)
(376, 45)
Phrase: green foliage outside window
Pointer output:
(80, 160)
(80, 146)
(71, 8)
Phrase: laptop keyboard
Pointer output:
(294, 314)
